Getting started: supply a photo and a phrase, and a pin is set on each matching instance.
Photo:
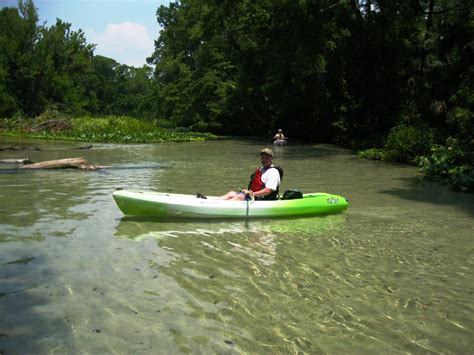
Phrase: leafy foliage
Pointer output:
(406, 143)
(372, 153)
(450, 162)
(43, 67)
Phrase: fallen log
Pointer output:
(16, 161)
(75, 163)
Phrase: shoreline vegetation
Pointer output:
(108, 129)
(405, 144)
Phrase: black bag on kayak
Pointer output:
(292, 194)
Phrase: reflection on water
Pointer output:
(138, 228)
(393, 273)
(259, 235)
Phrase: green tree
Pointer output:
(244, 66)
(18, 33)
(63, 62)
(104, 86)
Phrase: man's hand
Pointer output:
(248, 192)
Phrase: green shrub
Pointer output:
(451, 162)
(406, 143)
(461, 178)
(372, 153)
(17, 122)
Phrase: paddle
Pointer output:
(248, 198)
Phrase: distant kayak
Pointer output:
(279, 142)
(147, 203)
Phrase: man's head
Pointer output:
(279, 131)
(266, 156)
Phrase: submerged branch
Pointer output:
(18, 148)
(16, 161)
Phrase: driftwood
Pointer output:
(16, 161)
(76, 163)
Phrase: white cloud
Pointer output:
(128, 43)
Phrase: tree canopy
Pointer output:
(324, 70)
(43, 67)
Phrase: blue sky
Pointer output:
(124, 30)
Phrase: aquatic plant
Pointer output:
(109, 129)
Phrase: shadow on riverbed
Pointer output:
(428, 191)
(24, 328)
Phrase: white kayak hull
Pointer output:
(279, 142)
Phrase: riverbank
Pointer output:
(450, 162)
(109, 129)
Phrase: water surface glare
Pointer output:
(392, 274)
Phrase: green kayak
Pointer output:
(147, 203)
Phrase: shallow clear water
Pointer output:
(393, 273)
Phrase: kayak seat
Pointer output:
(200, 195)
(292, 194)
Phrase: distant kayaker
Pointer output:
(279, 135)
(264, 182)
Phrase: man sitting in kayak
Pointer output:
(264, 182)
(279, 135)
